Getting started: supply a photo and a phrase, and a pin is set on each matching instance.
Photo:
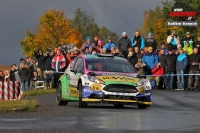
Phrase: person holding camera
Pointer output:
(40, 57)
(173, 40)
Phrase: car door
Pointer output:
(78, 70)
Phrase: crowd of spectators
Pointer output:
(150, 59)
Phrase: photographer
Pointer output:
(40, 57)
(173, 40)
(48, 56)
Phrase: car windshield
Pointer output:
(109, 65)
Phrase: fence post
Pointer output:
(1, 88)
(5, 90)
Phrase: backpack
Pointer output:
(153, 83)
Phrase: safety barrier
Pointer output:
(10, 90)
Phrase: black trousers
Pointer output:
(56, 78)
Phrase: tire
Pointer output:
(141, 106)
(119, 105)
(59, 100)
(81, 103)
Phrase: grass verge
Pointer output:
(17, 105)
(38, 92)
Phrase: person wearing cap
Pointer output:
(150, 59)
(35, 63)
(181, 65)
(151, 42)
(140, 67)
(124, 44)
(173, 40)
(189, 39)
(87, 43)
(187, 48)
(109, 44)
(137, 40)
(170, 68)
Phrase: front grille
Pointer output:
(120, 88)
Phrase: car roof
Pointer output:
(100, 56)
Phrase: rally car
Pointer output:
(103, 78)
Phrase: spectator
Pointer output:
(124, 44)
(34, 78)
(179, 47)
(188, 39)
(194, 60)
(35, 63)
(150, 59)
(40, 58)
(113, 50)
(157, 73)
(132, 58)
(58, 63)
(164, 48)
(97, 41)
(48, 56)
(170, 68)
(2, 77)
(109, 44)
(94, 51)
(90, 50)
(173, 40)
(161, 57)
(137, 40)
(86, 50)
(104, 50)
(187, 48)
(151, 42)
(138, 53)
(14, 69)
(87, 43)
(64, 47)
(24, 75)
(140, 67)
(198, 43)
(181, 64)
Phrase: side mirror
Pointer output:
(74, 71)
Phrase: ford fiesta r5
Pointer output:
(103, 78)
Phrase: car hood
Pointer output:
(118, 78)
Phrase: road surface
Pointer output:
(172, 111)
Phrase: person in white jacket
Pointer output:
(173, 40)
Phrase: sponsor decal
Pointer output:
(74, 92)
(184, 12)
(96, 87)
(118, 79)
(120, 97)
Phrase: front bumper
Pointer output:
(102, 96)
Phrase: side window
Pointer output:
(79, 65)
(72, 64)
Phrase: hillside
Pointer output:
(3, 67)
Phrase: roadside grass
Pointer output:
(17, 105)
(24, 104)
(38, 92)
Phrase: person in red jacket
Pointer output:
(157, 72)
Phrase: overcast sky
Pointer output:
(18, 16)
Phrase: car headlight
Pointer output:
(95, 80)
(141, 90)
(140, 83)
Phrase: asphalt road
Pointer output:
(172, 111)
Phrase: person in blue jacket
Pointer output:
(181, 64)
(150, 59)
(138, 40)
(109, 44)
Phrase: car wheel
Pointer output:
(141, 106)
(119, 105)
(59, 100)
(81, 103)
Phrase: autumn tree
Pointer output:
(53, 29)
